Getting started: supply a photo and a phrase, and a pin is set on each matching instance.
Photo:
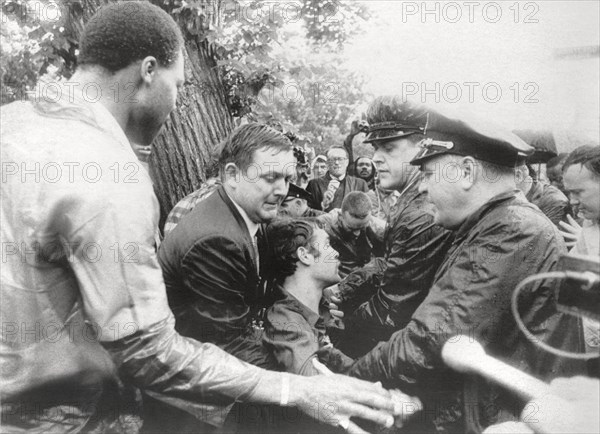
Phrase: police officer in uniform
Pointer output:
(468, 173)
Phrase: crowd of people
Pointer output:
(293, 292)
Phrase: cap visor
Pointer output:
(375, 137)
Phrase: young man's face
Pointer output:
(337, 162)
(364, 168)
(326, 263)
(353, 225)
(392, 161)
(584, 191)
(261, 188)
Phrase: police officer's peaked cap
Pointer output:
(391, 117)
(296, 192)
(475, 138)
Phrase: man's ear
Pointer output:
(521, 174)
(468, 167)
(304, 256)
(148, 68)
(232, 174)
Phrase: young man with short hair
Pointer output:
(380, 298)
(306, 263)
(354, 232)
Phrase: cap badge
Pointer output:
(426, 143)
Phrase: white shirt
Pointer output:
(252, 229)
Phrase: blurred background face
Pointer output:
(584, 191)
(293, 207)
(522, 179)
(301, 170)
(364, 167)
(320, 169)
(337, 162)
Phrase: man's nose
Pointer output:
(422, 187)
(281, 186)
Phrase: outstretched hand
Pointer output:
(571, 231)
(334, 399)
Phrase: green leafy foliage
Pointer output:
(331, 23)
(34, 42)
(279, 61)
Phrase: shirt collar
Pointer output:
(311, 316)
(341, 178)
(252, 227)
(107, 122)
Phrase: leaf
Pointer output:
(248, 37)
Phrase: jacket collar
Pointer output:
(472, 220)
(297, 306)
(60, 102)
(535, 192)
(239, 219)
(250, 225)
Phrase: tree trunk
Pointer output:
(182, 153)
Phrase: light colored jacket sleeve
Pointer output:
(113, 256)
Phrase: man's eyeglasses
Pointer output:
(338, 159)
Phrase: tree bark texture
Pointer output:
(183, 154)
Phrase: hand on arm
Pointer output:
(333, 299)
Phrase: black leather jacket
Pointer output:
(388, 290)
(502, 243)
